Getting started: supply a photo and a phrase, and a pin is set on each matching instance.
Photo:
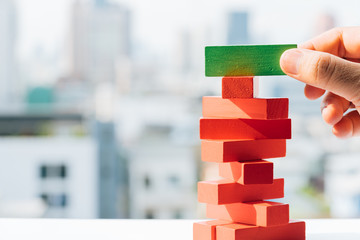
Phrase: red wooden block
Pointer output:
(262, 213)
(255, 108)
(252, 172)
(294, 230)
(226, 191)
(212, 128)
(207, 230)
(243, 150)
(239, 87)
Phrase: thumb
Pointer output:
(325, 71)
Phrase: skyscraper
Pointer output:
(100, 40)
(7, 51)
(100, 37)
(237, 28)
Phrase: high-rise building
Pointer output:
(100, 38)
(7, 51)
(100, 42)
(238, 28)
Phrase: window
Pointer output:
(44, 197)
(149, 214)
(53, 171)
(55, 200)
(178, 214)
(53, 182)
(147, 182)
(174, 180)
(63, 171)
(43, 171)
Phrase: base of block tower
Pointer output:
(206, 230)
(295, 230)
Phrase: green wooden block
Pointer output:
(244, 60)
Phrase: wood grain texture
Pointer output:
(213, 128)
(243, 150)
(261, 213)
(206, 230)
(255, 108)
(239, 87)
(244, 60)
(294, 230)
(227, 191)
(251, 172)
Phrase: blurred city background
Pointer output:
(100, 102)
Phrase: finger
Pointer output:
(349, 126)
(323, 70)
(342, 42)
(333, 108)
(313, 93)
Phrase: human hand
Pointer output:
(330, 63)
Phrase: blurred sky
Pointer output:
(156, 23)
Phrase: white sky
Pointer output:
(156, 23)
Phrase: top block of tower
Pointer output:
(239, 87)
(244, 60)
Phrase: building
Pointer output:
(60, 171)
(100, 40)
(160, 133)
(162, 177)
(62, 156)
(8, 79)
(49, 158)
(74, 133)
(342, 184)
(100, 58)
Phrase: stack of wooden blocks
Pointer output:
(238, 131)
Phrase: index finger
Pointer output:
(342, 42)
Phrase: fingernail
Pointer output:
(290, 61)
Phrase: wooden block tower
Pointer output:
(238, 131)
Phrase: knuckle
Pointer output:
(324, 70)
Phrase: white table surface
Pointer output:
(324, 229)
